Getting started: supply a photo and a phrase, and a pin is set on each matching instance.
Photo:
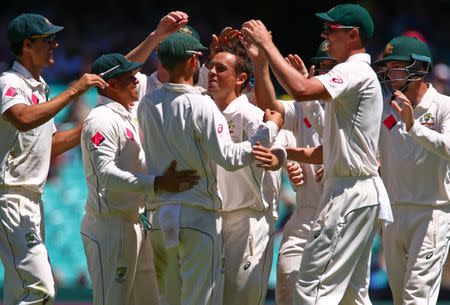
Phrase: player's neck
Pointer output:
(28, 63)
(223, 102)
(416, 91)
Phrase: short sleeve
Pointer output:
(338, 81)
(11, 92)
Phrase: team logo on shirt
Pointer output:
(120, 273)
(337, 80)
(390, 122)
(12, 92)
(247, 265)
(31, 239)
(129, 134)
(427, 120)
(34, 99)
(230, 126)
(97, 139)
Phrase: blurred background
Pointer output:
(96, 27)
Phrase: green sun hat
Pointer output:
(350, 15)
(405, 48)
(111, 65)
(30, 26)
(180, 45)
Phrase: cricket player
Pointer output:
(335, 262)
(249, 194)
(29, 140)
(179, 122)
(415, 154)
(120, 257)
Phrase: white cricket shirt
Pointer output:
(415, 165)
(113, 161)
(179, 123)
(24, 156)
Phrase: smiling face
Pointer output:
(224, 82)
(124, 88)
(339, 39)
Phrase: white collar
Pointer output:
(364, 57)
(236, 103)
(114, 106)
(184, 88)
(427, 98)
(27, 76)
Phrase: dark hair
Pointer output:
(243, 62)
(17, 47)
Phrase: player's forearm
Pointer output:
(290, 79)
(264, 91)
(432, 140)
(64, 140)
(145, 48)
(311, 155)
(26, 117)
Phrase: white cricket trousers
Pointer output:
(415, 248)
(336, 260)
(248, 237)
(28, 275)
(120, 260)
(192, 272)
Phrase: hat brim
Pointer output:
(325, 17)
(383, 61)
(53, 29)
(316, 59)
(130, 67)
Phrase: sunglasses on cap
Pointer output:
(49, 39)
(198, 53)
(329, 28)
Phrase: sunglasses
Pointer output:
(49, 39)
(198, 53)
(329, 28)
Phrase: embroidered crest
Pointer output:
(97, 139)
(185, 30)
(230, 126)
(427, 120)
(120, 273)
(324, 46)
(388, 50)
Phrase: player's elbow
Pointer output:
(20, 120)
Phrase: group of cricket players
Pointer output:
(183, 166)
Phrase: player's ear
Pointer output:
(241, 78)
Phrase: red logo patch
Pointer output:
(11, 92)
(337, 80)
(129, 134)
(390, 122)
(34, 99)
(307, 123)
(220, 129)
(97, 139)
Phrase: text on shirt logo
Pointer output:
(337, 80)
(220, 129)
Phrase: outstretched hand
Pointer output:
(171, 23)
(228, 36)
(174, 181)
(255, 31)
(297, 63)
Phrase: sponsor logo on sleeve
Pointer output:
(337, 80)
(11, 92)
(97, 139)
(34, 99)
(390, 122)
(219, 128)
(307, 123)
(129, 134)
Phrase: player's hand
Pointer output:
(255, 31)
(274, 116)
(256, 55)
(87, 81)
(171, 23)
(176, 181)
(295, 173)
(319, 174)
(269, 160)
(297, 63)
(406, 112)
(312, 71)
(228, 36)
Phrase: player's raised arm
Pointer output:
(296, 84)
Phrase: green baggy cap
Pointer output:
(112, 65)
(405, 48)
(180, 45)
(30, 25)
(350, 15)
